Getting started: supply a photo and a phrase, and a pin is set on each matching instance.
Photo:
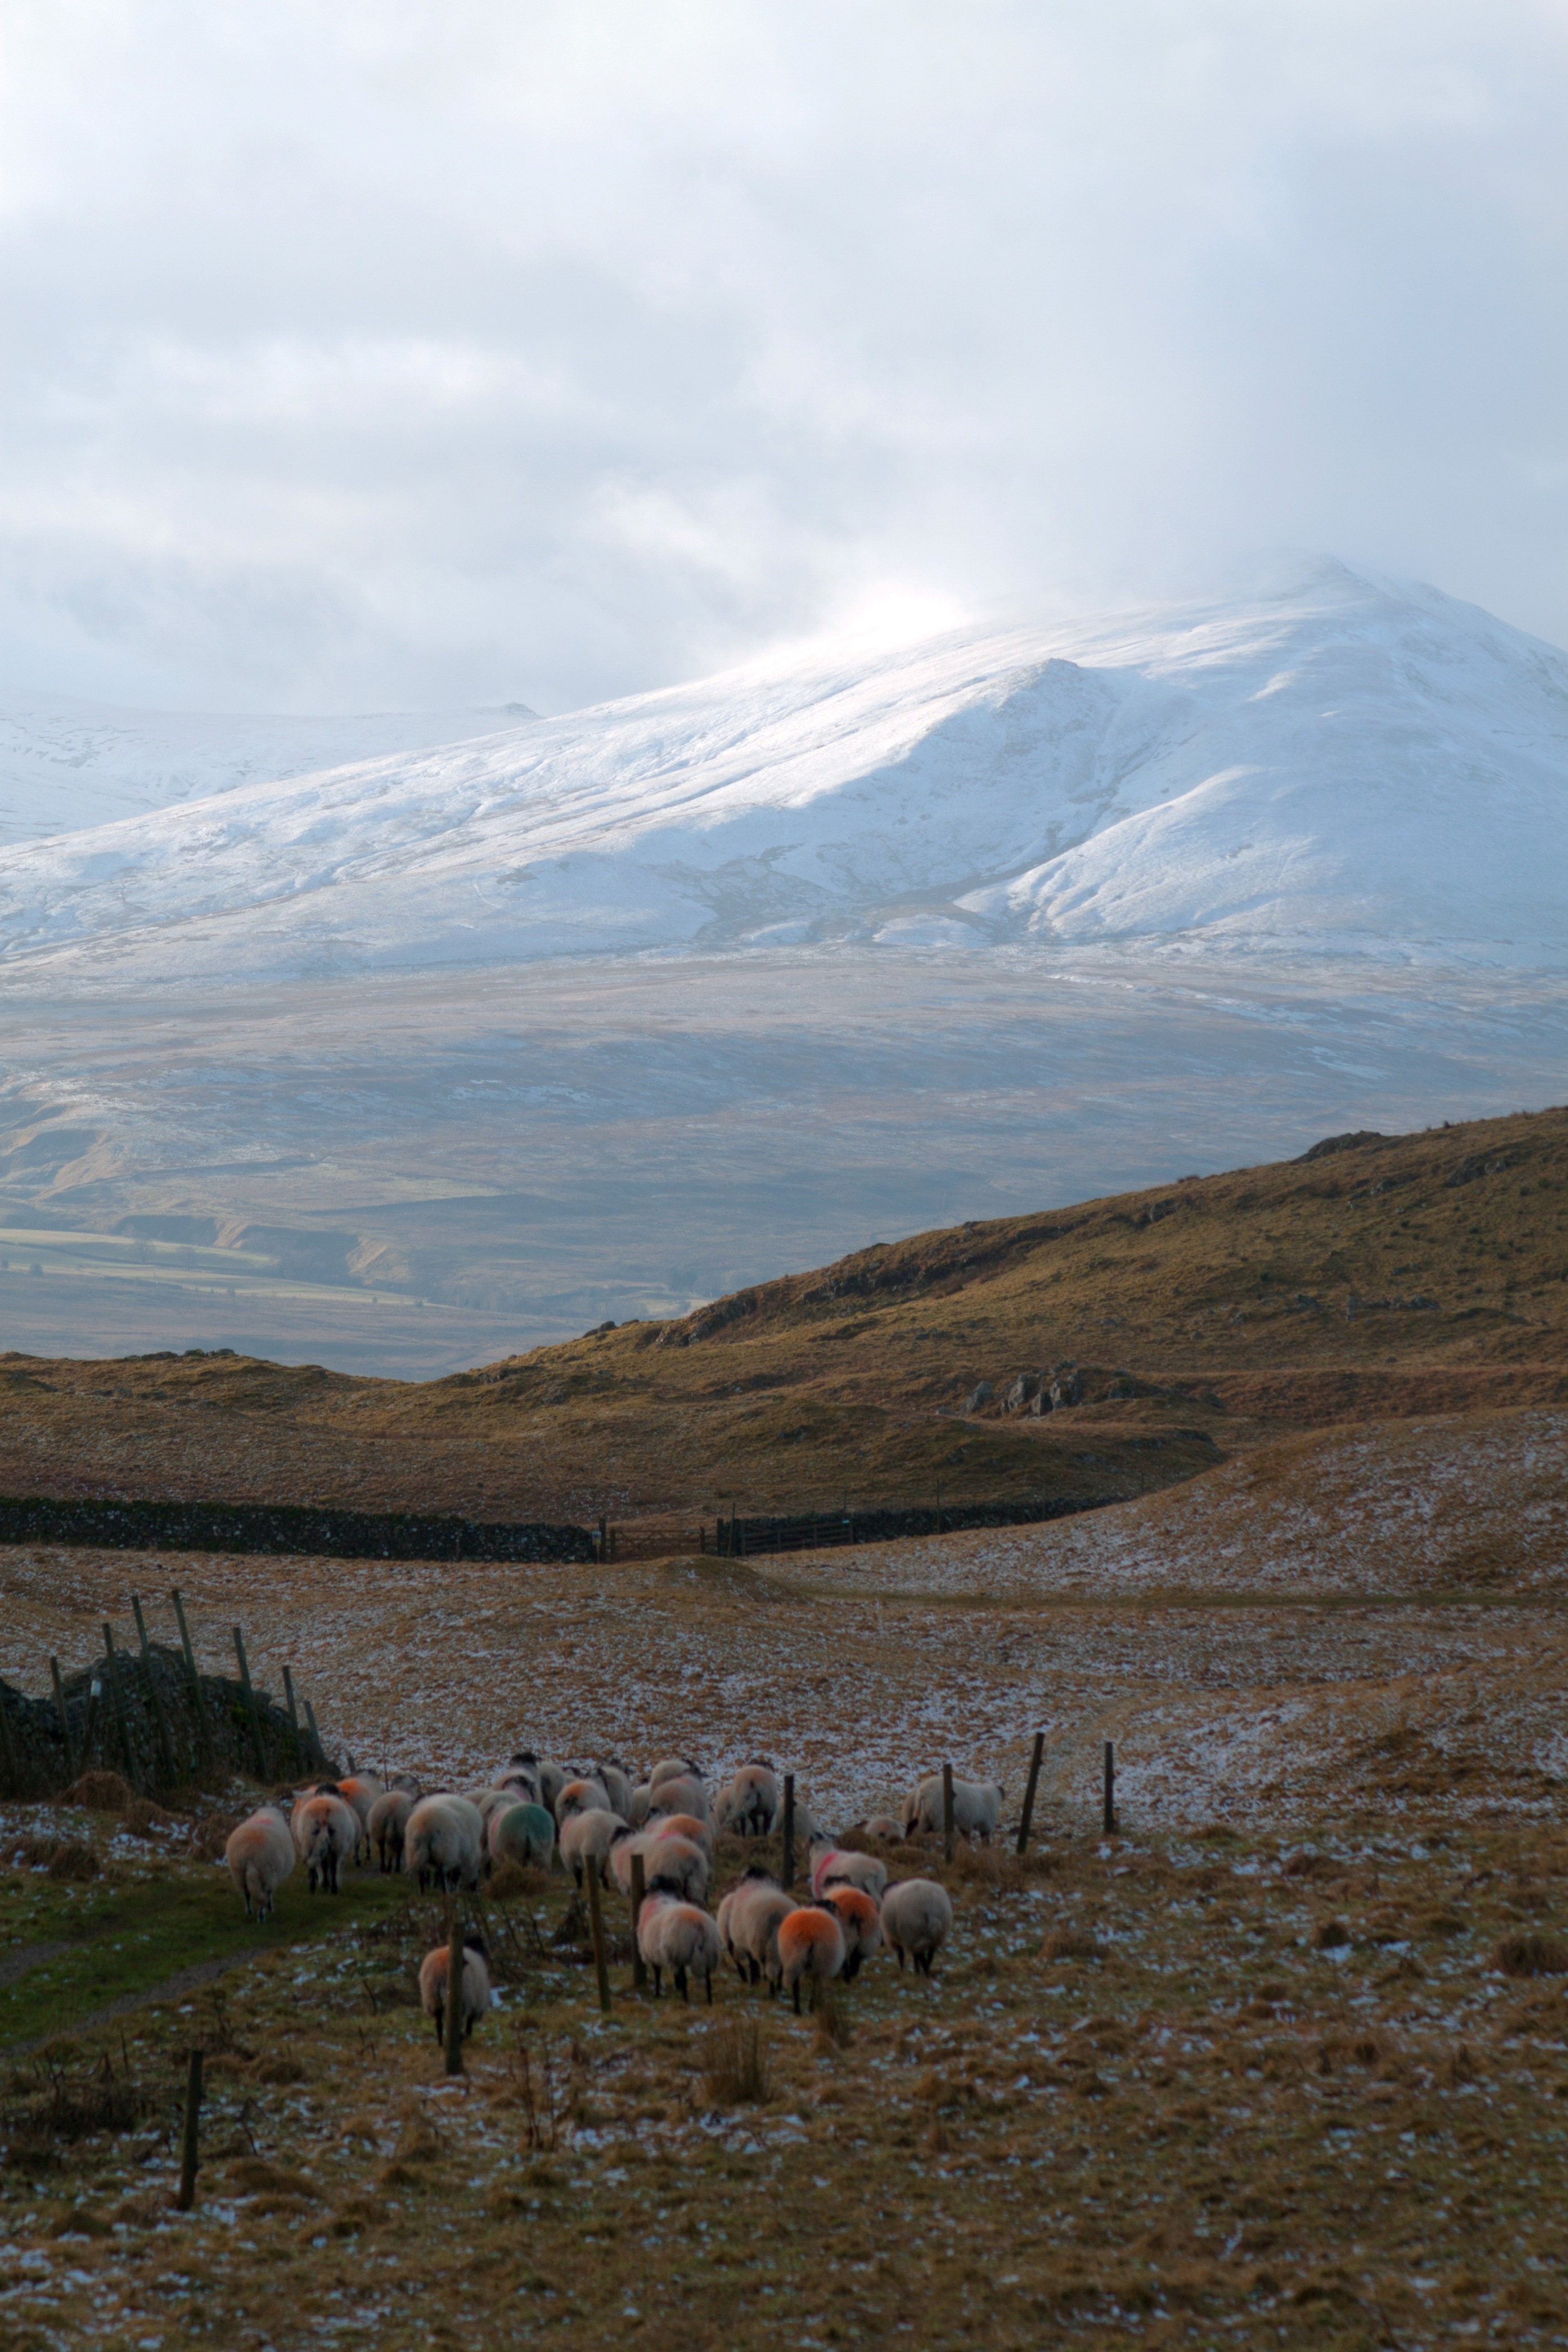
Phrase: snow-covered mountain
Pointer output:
(1336, 763)
(66, 765)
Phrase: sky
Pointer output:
(367, 354)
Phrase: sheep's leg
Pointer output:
(795, 1990)
(440, 2020)
(680, 1984)
(708, 1980)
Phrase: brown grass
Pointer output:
(1071, 1943)
(735, 2069)
(1530, 1955)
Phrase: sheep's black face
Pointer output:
(476, 1943)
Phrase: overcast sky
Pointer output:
(358, 355)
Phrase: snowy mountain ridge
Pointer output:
(1334, 763)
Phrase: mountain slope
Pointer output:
(1332, 763)
(67, 766)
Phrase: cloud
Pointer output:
(408, 354)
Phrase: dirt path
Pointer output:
(31, 1956)
(184, 1980)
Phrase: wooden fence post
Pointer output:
(190, 2132)
(1109, 1790)
(154, 1696)
(8, 1756)
(315, 1738)
(787, 1873)
(204, 1729)
(251, 1703)
(947, 1828)
(1028, 1814)
(64, 1714)
(596, 1931)
(639, 1895)
(455, 1993)
(117, 1700)
(293, 1713)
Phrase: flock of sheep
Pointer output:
(601, 1820)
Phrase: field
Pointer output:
(1284, 2061)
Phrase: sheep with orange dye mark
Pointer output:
(326, 1832)
(474, 1993)
(360, 1790)
(684, 1825)
(832, 1867)
(860, 1918)
(579, 1796)
(811, 1944)
(917, 1919)
(679, 1936)
(261, 1855)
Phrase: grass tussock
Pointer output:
(57, 2103)
(1531, 1954)
(1072, 1944)
(735, 2066)
(834, 2029)
(101, 1792)
(1331, 1935)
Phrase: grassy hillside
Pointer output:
(1373, 1278)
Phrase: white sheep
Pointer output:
(749, 1805)
(679, 1793)
(261, 1855)
(679, 1936)
(617, 1784)
(750, 1917)
(326, 1832)
(882, 1826)
(388, 1822)
(674, 1768)
(586, 1839)
(675, 1858)
(636, 1811)
(442, 1842)
(433, 1970)
(917, 1919)
(976, 1808)
(360, 1790)
(831, 1865)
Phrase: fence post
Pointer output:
(154, 1696)
(293, 1713)
(204, 1729)
(190, 2134)
(947, 1828)
(455, 1993)
(1028, 1814)
(1109, 1790)
(8, 1750)
(315, 1738)
(596, 1930)
(117, 1700)
(788, 1869)
(64, 1715)
(251, 1703)
(639, 1896)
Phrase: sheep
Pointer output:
(749, 1805)
(637, 1811)
(261, 1855)
(811, 1944)
(674, 1768)
(523, 1774)
(386, 1825)
(679, 1936)
(361, 1790)
(552, 1779)
(675, 1858)
(580, 1796)
(976, 1807)
(524, 1833)
(917, 1917)
(476, 1992)
(442, 1842)
(882, 1826)
(617, 1784)
(684, 1825)
(487, 1802)
(857, 1915)
(749, 1921)
(679, 1793)
(585, 1841)
(326, 1831)
(832, 1867)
